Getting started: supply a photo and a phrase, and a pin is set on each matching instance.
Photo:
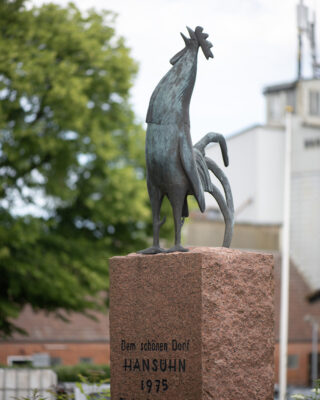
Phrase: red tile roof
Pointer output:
(44, 327)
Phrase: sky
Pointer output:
(254, 45)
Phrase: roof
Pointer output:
(238, 133)
(248, 129)
(280, 87)
(286, 85)
(44, 327)
(245, 130)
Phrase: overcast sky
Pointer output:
(255, 43)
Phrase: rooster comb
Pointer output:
(201, 38)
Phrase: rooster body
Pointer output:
(173, 169)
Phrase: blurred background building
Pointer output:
(258, 184)
(52, 341)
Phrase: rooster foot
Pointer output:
(177, 247)
(152, 250)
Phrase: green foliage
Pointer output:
(35, 395)
(98, 381)
(314, 396)
(72, 189)
(85, 373)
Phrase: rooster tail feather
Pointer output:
(204, 165)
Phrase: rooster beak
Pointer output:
(191, 33)
(185, 39)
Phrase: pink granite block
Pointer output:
(191, 326)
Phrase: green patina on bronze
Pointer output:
(175, 168)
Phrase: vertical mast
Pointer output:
(303, 27)
(299, 54)
(307, 27)
(285, 265)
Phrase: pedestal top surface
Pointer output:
(219, 251)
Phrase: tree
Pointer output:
(72, 190)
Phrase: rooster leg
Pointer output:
(177, 198)
(156, 198)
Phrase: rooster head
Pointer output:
(197, 39)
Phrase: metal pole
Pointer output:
(299, 54)
(313, 47)
(285, 265)
(314, 364)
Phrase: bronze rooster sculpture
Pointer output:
(175, 168)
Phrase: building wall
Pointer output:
(242, 158)
(296, 376)
(275, 108)
(69, 353)
(305, 147)
(270, 176)
(304, 88)
(255, 157)
(203, 232)
(256, 175)
(305, 201)
(305, 226)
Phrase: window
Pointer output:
(314, 103)
(293, 361)
(276, 108)
(85, 360)
(310, 143)
(55, 361)
(19, 361)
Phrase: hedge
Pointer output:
(91, 372)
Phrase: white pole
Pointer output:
(285, 266)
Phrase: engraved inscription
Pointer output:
(171, 360)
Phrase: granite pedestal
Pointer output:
(192, 326)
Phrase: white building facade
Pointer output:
(256, 171)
